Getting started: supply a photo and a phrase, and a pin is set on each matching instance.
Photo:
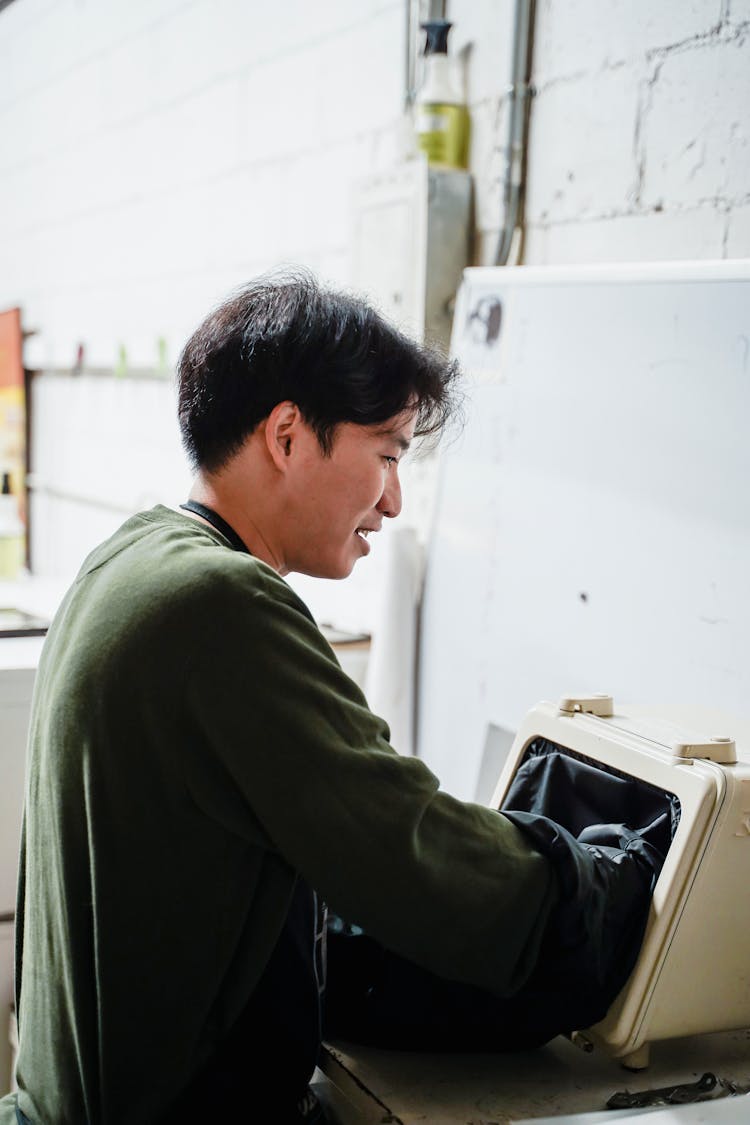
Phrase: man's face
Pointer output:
(341, 498)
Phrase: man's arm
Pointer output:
(368, 829)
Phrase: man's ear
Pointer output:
(282, 427)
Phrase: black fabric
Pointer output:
(576, 792)
(607, 876)
(606, 835)
(260, 1073)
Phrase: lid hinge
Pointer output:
(597, 704)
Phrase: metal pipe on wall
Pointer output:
(520, 93)
(411, 10)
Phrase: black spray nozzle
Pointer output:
(437, 36)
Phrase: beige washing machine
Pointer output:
(693, 972)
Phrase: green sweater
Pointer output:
(193, 745)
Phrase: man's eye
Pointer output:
(390, 460)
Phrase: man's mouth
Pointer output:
(363, 532)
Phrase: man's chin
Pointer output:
(343, 566)
(344, 571)
(332, 573)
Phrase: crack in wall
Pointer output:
(645, 104)
(701, 158)
(725, 233)
(722, 32)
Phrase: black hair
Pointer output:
(287, 338)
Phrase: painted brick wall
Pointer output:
(156, 153)
(640, 143)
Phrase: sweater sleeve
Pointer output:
(451, 885)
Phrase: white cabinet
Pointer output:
(16, 684)
(6, 998)
(19, 657)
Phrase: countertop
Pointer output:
(451, 1089)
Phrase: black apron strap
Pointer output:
(221, 525)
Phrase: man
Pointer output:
(201, 770)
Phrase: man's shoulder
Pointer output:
(159, 537)
(164, 547)
(162, 568)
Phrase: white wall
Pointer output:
(102, 448)
(156, 153)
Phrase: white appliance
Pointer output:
(593, 518)
(693, 972)
(34, 602)
(18, 660)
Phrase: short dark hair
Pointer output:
(288, 338)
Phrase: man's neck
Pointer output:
(233, 505)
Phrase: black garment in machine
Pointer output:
(607, 835)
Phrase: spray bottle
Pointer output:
(442, 119)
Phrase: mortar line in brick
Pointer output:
(313, 43)
(37, 17)
(118, 282)
(542, 86)
(706, 204)
(183, 187)
(95, 56)
(51, 152)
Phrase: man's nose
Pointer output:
(390, 502)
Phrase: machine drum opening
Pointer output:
(577, 793)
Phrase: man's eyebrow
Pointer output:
(394, 435)
(402, 442)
